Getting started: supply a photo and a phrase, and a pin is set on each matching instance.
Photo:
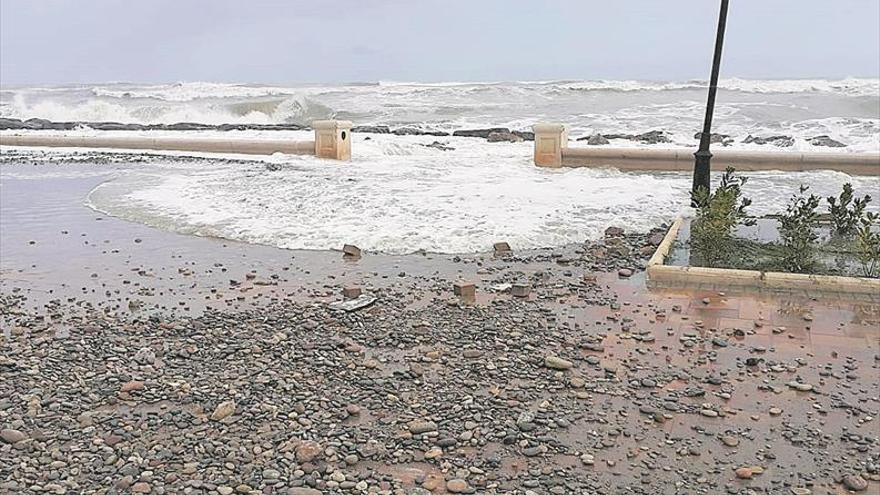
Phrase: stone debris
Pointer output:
(351, 292)
(501, 249)
(520, 290)
(351, 251)
(557, 363)
(223, 410)
(464, 289)
(9, 435)
(355, 304)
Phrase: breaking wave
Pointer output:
(266, 110)
(847, 110)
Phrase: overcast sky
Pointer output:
(280, 41)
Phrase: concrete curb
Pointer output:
(682, 160)
(210, 145)
(332, 140)
(551, 150)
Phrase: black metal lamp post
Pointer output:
(703, 156)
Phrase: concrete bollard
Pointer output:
(333, 139)
(549, 141)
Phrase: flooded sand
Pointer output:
(124, 346)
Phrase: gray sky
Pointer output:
(277, 41)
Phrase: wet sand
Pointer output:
(125, 347)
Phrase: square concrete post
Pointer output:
(549, 141)
(332, 139)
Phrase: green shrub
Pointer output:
(846, 212)
(718, 213)
(797, 232)
(868, 245)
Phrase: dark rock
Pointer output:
(526, 135)
(115, 126)
(613, 232)
(781, 141)
(714, 138)
(371, 129)
(11, 124)
(480, 133)
(825, 141)
(652, 137)
(499, 137)
(440, 146)
(412, 131)
(188, 126)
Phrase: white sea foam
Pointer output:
(850, 86)
(399, 196)
(188, 91)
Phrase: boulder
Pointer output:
(371, 129)
(413, 131)
(526, 135)
(503, 137)
(188, 126)
(781, 141)
(11, 123)
(480, 133)
(715, 138)
(652, 137)
(597, 140)
(114, 126)
(825, 141)
(613, 232)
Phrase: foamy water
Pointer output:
(399, 196)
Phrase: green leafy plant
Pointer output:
(797, 232)
(847, 211)
(717, 214)
(868, 245)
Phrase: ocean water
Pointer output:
(398, 195)
(848, 110)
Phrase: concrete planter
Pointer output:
(662, 275)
